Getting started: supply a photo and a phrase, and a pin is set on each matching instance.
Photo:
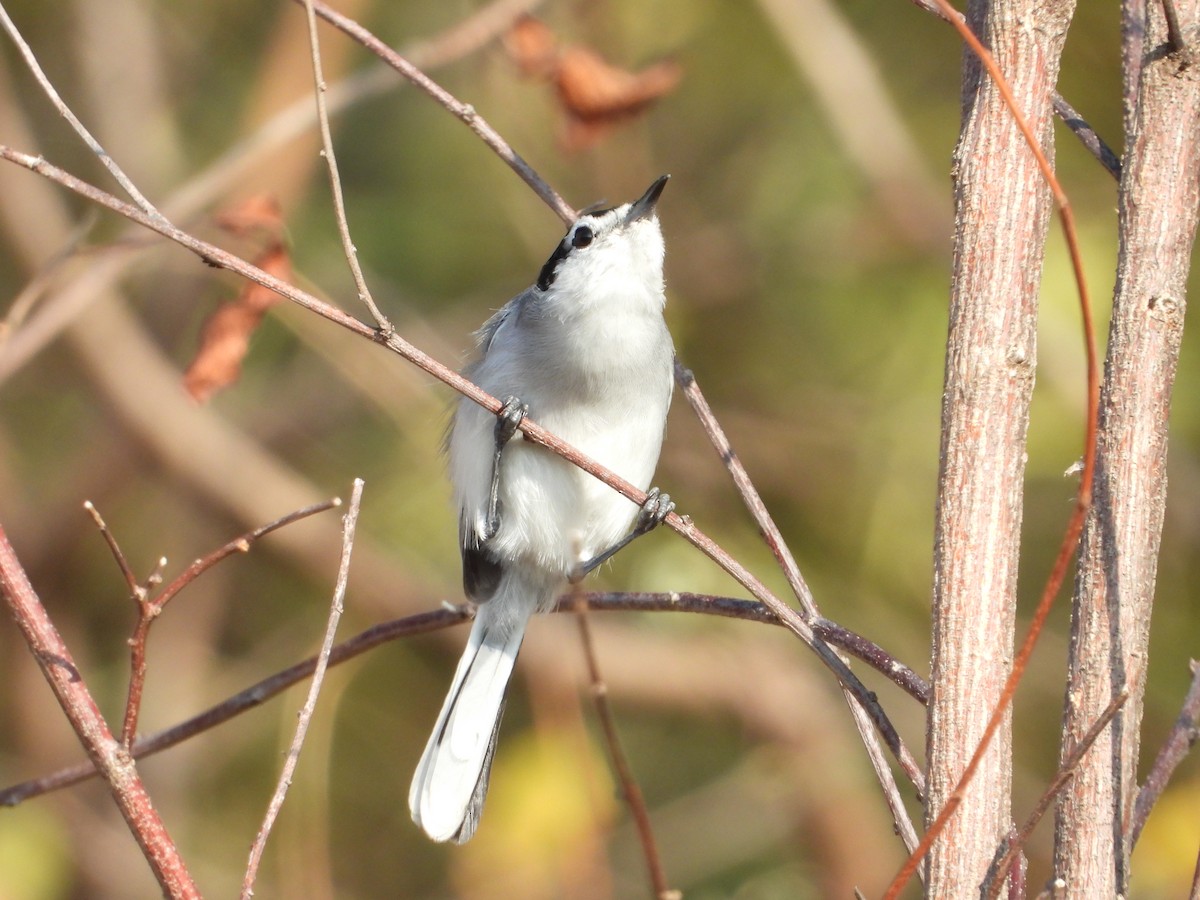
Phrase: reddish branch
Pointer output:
(149, 608)
(108, 757)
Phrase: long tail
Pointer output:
(451, 780)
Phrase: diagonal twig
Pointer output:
(65, 111)
(993, 882)
(463, 38)
(791, 570)
(462, 111)
(1184, 733)
(131, 581)
(349, 523)
(1086, 134)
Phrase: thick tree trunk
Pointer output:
(1003, 208)
(1114, 590)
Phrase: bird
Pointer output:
(584, 352)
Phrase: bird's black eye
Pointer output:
(582, 237)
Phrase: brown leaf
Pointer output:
(225, 337)
(595, 95)
(532, 46)
(591, 88)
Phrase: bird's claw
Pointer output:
(656, 508)
(509, 419)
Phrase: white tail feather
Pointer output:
(451, 780)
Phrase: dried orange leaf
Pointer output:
(226, 335)
(591, 88)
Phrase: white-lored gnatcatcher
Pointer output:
(586, 353)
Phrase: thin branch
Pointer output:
(1007, 853)
(629, 786)
(1174, 32)
(385, 632)
(349, 523)
(791, 570)
(107, 755)
(335, 180)
(686, 379)
(1087, 135)
(251, 697)
(149, 608)
(219, 258)
(239, 544)
(1083, 500)
(1184, 734)
(72, 119)
(875, 656)
(463, 111)
(123, 564)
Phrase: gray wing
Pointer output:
(481, 568)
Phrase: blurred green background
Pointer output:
(808, 227)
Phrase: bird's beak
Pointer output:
(644, 205)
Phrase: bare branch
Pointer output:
(463, 111)
(1175, 36)
(106, 753)
(988, 379)
(149, 609)
(753, 501)
(787, 562)
(1011, 848)
(72, 119)
(123, 564)
(1118, 557)
(629, 786)
(1184, 733)
(349, 523)
(463, 38)
(1087, 135)
(335, 180)
(422, 623)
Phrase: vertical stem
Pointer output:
(1114, 590)
(1002, 210)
